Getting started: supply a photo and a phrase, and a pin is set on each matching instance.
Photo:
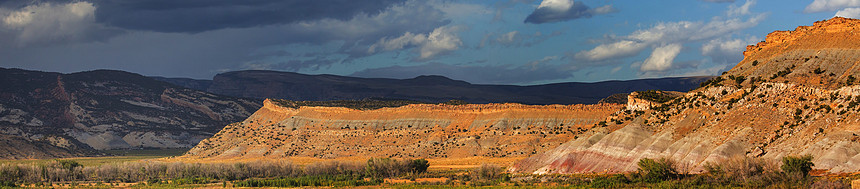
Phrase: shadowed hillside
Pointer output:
(45, 114)
(436, 89)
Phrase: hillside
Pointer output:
(283, 128)
(45, 114)
(301, 87)
(793, 94)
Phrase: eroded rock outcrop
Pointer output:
(76, 114)
(411, 131)
(793, 94)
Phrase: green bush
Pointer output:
(487, 172)
(654, 96)
(195, 180)
(68, 164)
(794, 165)
(389, 168)
(716, 82)
(418, 166)
(614, 181)
(5, 184)
(325, 180)
(651, 170)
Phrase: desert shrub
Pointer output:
(390, 168)
(333, 168)
(153, 181)
(614, 181)
(745, 171)
(486, 172)
(651, 170)
(7, 184)
(486, 175)
(418, 166)
(797, 166)
(68, 164)
(195, 180)
(714, 81)
(382, 168)
(738, 79)
(319, 180)
(366, 104)
(829, 184)
(142, 171)
(456, 102)
(654, 96)
(818, 71)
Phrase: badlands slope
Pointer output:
(794, 94)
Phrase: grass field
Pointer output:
(439, 164)
(357, 172)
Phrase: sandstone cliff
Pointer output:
(410, 131)
(793, 94)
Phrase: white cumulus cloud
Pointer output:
(508, 38)
(849, 13)
(561, 5)
(741, 10)
(622, 48)
(562, 10)
(661, 58)
(672, 32)
(830, 5)
(53, 22)
(727, 50)
(440, 41)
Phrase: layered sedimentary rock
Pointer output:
(410, 131)
(793, 94)
(45, 114)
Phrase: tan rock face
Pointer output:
(800, 111)
(412, 131)
(634, 103)
(832, 47)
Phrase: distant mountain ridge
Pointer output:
(294, 86)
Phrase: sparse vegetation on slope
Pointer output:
(352, 104)
(655, 96)
(413, 131)
(792, 93)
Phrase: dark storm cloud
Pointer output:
(489, 74)
(201, 55)
(192, 16)
(565, 10)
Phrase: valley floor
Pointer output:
(142, 171)
(435, 163)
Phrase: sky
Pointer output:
(521, 42)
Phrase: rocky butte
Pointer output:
(287, 129)
(795, 93)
